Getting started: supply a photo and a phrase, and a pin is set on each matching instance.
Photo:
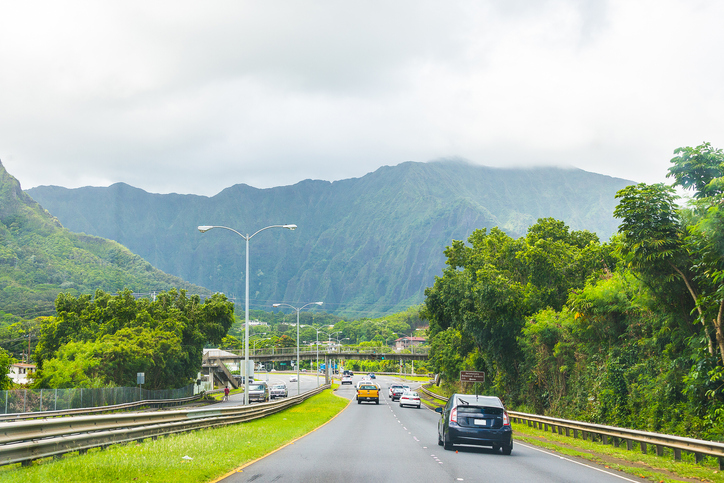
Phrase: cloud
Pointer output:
(192, 98)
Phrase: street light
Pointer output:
(298, 309)
(318, 331)
(204, 229)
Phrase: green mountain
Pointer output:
(365, 246)
(39, 259)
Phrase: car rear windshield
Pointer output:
(368, 388)
(256, 387)
(480, 410)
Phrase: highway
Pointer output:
(368, 442)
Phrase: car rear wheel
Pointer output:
(507, 449)
(447, 444)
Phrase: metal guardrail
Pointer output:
(617, 436)
(24, 441)
(154, 403)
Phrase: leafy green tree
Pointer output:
(493, 285)
(6, 360)
(114, 336)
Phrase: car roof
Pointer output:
(476, 400)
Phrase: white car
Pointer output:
(346, 380)
(410, 398)
(293, 378)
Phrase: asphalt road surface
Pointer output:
(381, 443)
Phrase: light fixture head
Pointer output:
(291, 227)
(276, 305)
(319, 303)
(205, 228)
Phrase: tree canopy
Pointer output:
(106, 339)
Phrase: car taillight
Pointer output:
(454, 415)
(506, 420)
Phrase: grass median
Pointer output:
(197, 456)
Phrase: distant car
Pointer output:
(372, 376)
(396, 391)
(410, 398)
(293, 378)
(347, 380)
(475, 420)
(278, 390)
(347, 373)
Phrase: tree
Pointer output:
(108, 338)
(493, 285)
(662, 241)
(6, 360)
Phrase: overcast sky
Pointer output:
(193, 97)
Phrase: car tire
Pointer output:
(507, 449)
(446, 444)
(377, 401)
(359, 401)
(439, 440)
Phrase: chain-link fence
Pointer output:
(34, 400)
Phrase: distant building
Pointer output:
(19, 372)
(406, 342)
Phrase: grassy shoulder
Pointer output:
(648, 466)
(197, 456)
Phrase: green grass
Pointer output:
(214, 452)
(416, 378)
(655, 468)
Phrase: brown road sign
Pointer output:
(472, 376)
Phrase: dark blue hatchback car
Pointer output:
(475, 420)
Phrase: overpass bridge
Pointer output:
(307, 353)
(214, 361)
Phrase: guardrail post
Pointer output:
(616, 442)
(677, 454)
(568, 432)
(575, 433)
(698, 457)
(629, 445)
(721, 463)
(659, 450)
(604, 439)
(643, 447)
(545, 426)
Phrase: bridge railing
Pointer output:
(292, 351)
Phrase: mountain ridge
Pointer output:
(364, 245)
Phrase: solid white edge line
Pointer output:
(576, 462)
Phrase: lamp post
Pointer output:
(297, 309)
(318, 331)
(204, 229)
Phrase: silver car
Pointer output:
(278, 390)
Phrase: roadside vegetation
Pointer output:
(627, 332)
(650, 466)
(196, 456)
